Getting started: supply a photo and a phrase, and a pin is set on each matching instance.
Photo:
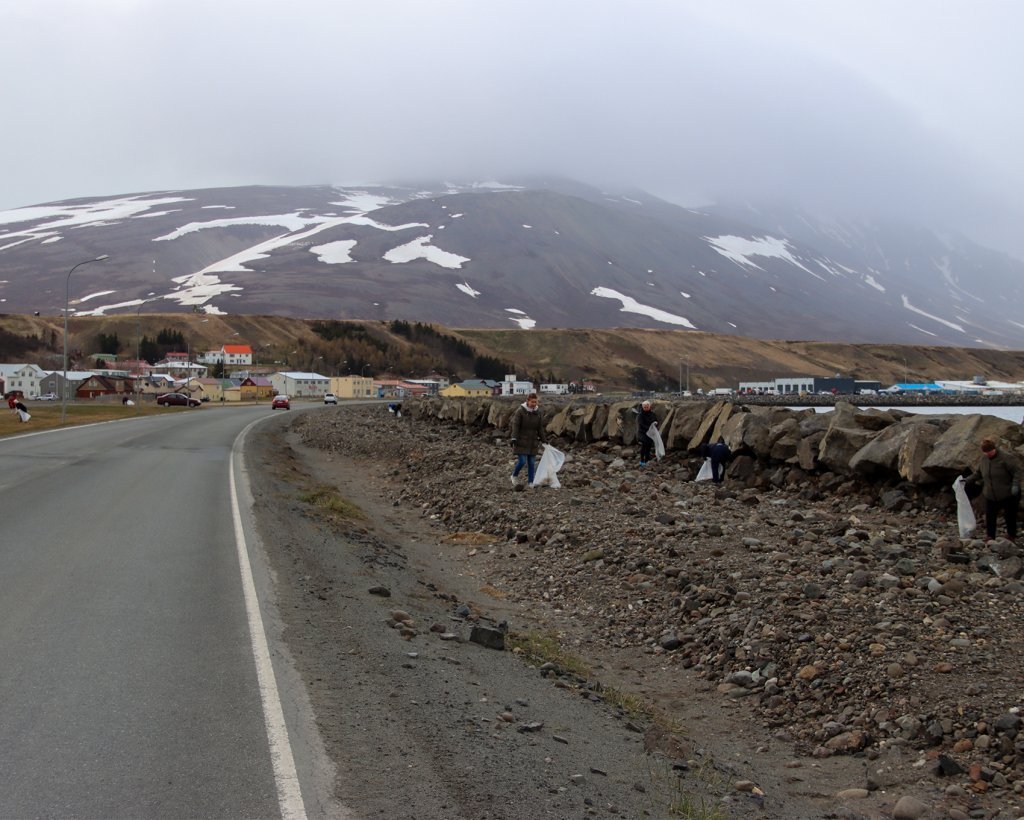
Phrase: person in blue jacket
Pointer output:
(720, 456)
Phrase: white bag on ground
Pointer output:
(659, 445)
(547, 470)
(705, 471)
(964, 512)
(23, 415)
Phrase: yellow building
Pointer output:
(472, 387)
(352, 387)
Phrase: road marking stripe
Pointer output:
(289, 793)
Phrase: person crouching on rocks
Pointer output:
(527, 429)
(1000, 474)
(645, 418)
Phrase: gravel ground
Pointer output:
(813, 653)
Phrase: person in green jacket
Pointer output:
(527, 429)
(1000, 474)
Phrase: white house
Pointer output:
(556, 389)
(23, 377)
(512, 386)
(300, 385)
(229, 355)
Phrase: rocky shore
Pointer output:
(823, 589)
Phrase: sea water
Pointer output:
(1008, 412)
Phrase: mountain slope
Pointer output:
(548, 253)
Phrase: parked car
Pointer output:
(176, 399)
(281, 403)
(330, 398)
(48, 397)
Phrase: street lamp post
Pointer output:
(67, 306)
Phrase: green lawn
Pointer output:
(46, 414)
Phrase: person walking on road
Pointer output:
(527, 429)
(645, 418)
(1000, 475)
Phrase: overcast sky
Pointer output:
(909, 107)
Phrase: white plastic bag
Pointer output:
(24, 416)
(655, 436)
(705, 473)
(547, 470)
(964, 512)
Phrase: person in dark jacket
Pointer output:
(1000, 475)
(720, 455)
(527, 429)
(645, 418)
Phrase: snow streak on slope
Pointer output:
(908, 306)
(631, 305)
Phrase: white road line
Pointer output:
(289, 793)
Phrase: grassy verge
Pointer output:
(331, 505)
(46, 415)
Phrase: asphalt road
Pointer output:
(131, 683)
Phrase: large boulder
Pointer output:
(710, 426)
(499, 414)
(682, 425)
(881, 454)
(783, 439)
(815, 423)
(748, 432)
(916, 448)
(596, 422)
(959, 446)
(807, 451)
(622, 422)
(839, 445)
(874, 419)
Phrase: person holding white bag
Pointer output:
(527, 430)
(644, 420)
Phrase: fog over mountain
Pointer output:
(519, 253)
(856, 109)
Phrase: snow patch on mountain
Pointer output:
(290, 222)
(89, 213)
(420, 248)
(631, 305)
(465, 288)
(334, 253)
(521, 319)
(363, 201)
(739, 250)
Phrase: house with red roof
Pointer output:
(228, 355)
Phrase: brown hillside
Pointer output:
(618, 358)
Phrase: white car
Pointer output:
(48, 397)
(330, 398)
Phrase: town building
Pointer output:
(25, 378)
(298, 384)
(352, 387)
(228, 355)
(472, 387)
(511, 386)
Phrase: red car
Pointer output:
(281, 403)
(176, 399)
